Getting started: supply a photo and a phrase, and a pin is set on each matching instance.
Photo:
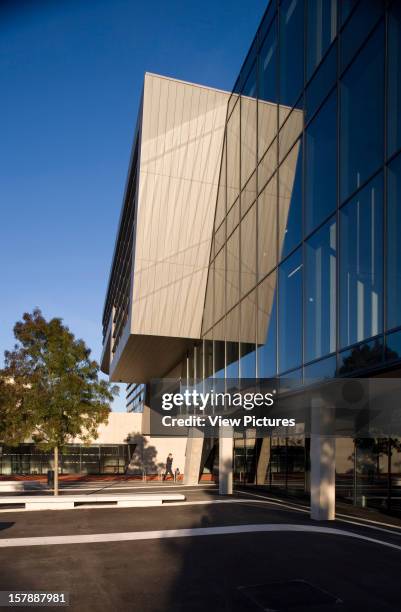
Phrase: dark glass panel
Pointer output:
(394, 244)
(321, 83)
(321, 165)
(393, 346)
(266, 327)
(366, 355)
(346, 7)
(320, 292)
(361, 139)
(291, 51)
(290, 312)
(394, 78)
(358, 28)
(361, 265)
(290, 201)
(325, 368)
(321, 28)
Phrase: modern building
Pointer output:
(260, 236)
(135, 397)
(120, 448)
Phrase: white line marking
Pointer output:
(358, 521)
(184, 533)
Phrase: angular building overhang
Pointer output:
(156, 294)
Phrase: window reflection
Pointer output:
(266, 327)
(321, 165)
(394, 80)
(291, 52)
(248, 127)
(321, 28)
(233, 155)
(320, 292)
(361, 138)
(394, 244)
(290, 312)
(248, 251)
(361, 262)
(267, 228)
(248, 336)
(290, 201)
(267, 93)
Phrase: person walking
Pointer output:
(169, 467)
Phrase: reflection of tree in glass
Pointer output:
(365, 355)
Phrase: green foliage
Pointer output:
(49, 387)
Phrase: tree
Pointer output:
(50, 389)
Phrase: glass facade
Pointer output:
(308, 224)
(27, 459)
(304, 276)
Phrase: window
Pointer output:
(248, 251)
(267, 228)
(232, 344)
(321, 83)
(321, 27)
(248, 127)
(266, 327)
(321, 165)
(232, 276)
(248, 336)
(291, 51)
(361, 262)
(394, 80)
(394, 244)
(320, 292)
(358, 28)
(290, 201)
(361, 138)
(290, 312)
(267, 105)
(233, 155)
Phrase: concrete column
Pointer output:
(226, 444)
(263, 461)
(193, 459)
(322, 464)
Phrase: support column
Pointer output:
(322, 464)
(226, 444)
(193, 458)
(263, 461)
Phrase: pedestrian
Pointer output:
(169, 467)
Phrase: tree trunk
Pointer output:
(56, 470)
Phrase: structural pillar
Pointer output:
(193, 458)
(322, 464)
(226, 462)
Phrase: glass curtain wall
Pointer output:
(304, 276)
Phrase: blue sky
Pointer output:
(71, 76)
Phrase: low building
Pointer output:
(121, 448)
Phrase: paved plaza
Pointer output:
(250, 552)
